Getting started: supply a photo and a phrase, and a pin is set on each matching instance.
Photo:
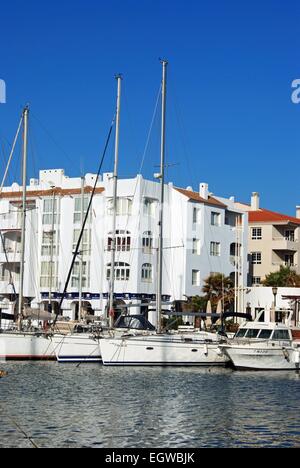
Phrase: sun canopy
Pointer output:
(37, 314)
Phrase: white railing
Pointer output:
(7, 278)
(234, 260)
(10, 250)
(10, 221)
(285, 238)
(292, 265)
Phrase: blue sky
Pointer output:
(231, 121)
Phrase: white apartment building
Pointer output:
(202, 234)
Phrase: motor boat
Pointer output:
(264, 346)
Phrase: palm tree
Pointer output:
(285, 277)
(218, 287)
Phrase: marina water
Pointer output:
(94, 406)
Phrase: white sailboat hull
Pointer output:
(159, 351)
(262, 357)
(76, 347)
(25, 346)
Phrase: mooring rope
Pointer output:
(20, 429)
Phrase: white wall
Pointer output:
(179, 231)
(262, 297)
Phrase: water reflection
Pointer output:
(93, 406)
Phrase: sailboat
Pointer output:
(155, 347)
(82, 344)
(21, 343)
(76, 342)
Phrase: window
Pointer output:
(77, 208)
(265, 334)
(147, 242)
(232, 219)
(215, 249)
(85, 241)
(256, 258)
(122, 271)
(48, 275)
(196, 215)
(256, 280)
(196, 278)
(150, 206)
(289, 260)
(147, 273)
(124, 206)
(290, 235)
(281, 335)
(123, 241)
(76, 275)
(252, 333)
(215, 219)
(48, 211)
(241, 333)
(256, 233)
(49, 244)
(196, 247)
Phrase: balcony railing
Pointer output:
(10, 221)
(284, 243)
(234, 260)
(10, 257)
(6, 279)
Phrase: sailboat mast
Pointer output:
(24, 177)
(51, 251)
(81, 250)
(161, 201)
(115, 194)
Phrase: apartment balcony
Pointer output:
(282, 243)
(235, 261)
(11, 256)
(10, 222)
(285, 264)
(6, 285)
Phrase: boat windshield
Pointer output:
(241, 333)
(136, 322)
(252, 333)
(265, 334)
(281, 335)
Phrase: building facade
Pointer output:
(273, 241)
(202, 234)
